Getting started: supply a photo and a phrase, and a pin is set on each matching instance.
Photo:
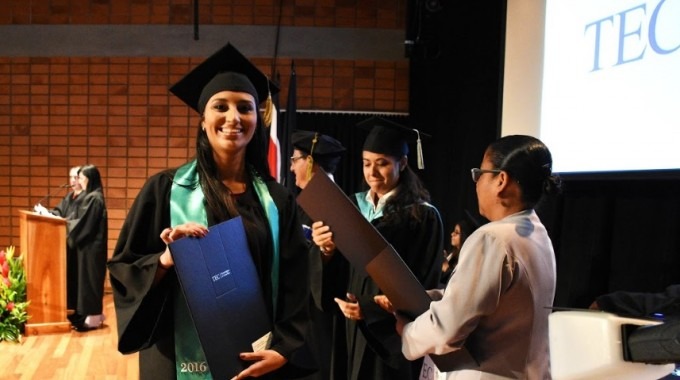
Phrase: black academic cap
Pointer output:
(325, 150)
(226, 69)
(391, 138)
(316, 144)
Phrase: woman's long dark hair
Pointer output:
(411, 191)
(94, 179)
(218, 198)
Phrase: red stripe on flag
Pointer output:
(274, 152)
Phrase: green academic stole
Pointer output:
(186, 204)
(368, 211)
(366, 208)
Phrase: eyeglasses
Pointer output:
(477, 172)
(295, 158)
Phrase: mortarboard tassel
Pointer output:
(419, 152)
(310, 163)
(267, 116)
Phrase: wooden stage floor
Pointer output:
(72, 355)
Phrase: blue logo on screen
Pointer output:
(627, 28)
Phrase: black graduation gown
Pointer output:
(88, 237)
(145, 313)
(374, 347)
(68, 205)
(643, 305)
(326, 318)
(67, 209)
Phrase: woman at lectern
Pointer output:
(67, 209)
(69, 204)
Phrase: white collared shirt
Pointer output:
(376, 210)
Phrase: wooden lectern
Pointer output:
(43, 246)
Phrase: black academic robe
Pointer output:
(68, 205)
(373, 345)
(67, 209)
(145, 312)
(326, 319)
(88, 238)
(643, 305)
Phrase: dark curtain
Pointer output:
(615, 235)
(455, 82)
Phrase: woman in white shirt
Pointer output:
(496, 303)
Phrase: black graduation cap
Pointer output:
(325, 150)
(226, 69)
(316, 144)
(391, 138)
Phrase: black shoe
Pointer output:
(83, 328)
(76, 319)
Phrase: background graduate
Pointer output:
(312, 152)
(396, 203)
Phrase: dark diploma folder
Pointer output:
(365, 248)
(223, 293)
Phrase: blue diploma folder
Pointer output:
(223, 293)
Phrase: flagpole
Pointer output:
(289, 125)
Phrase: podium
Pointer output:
(43, 246)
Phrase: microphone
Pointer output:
(53, 193)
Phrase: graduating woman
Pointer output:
(396, 203)
(228, 178)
